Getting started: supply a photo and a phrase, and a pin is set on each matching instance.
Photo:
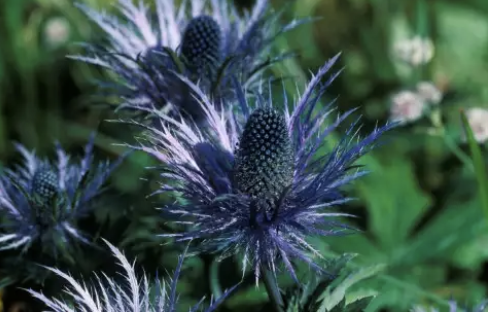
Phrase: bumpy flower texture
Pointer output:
(211, 45)
(40, 201)
(135, 295)
(256, 182)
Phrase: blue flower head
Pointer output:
(208, 44)
(107, 294)
(254, 182)
(40, 201)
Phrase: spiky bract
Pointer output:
(223, 204)
(41, 200)
(210, 44)
(106, 294)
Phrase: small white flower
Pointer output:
(415, 51)
(429, 92)
(57, 31)
(478, 121)
(406, 106)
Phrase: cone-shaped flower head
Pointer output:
(135, 295)
(40, 201)
(202, 43)
(45, 186)
(254, 182)
(209, 44)
(264, 160)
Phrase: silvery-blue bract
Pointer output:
(41, 200)
(106, 294)
(255, 181)
(208, 42)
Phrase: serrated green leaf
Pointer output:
(358, 305)
(394, 200)
(332, 297)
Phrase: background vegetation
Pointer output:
(425, 236)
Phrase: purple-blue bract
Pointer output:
(133, 295)
(210, 45)
(41, 200)
(207, 169)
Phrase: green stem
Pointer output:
(457, 151)
(435, 118)
(214, 279)
(272, 289)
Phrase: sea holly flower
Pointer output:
(40, 200)
(255, 181)
(133, 294)
(211, 45)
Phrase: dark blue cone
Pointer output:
(45, 185)
(201, 44)
(264, 159)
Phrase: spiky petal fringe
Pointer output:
(226, 219)
(107, 295)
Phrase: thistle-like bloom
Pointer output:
(40, 201)
(209, 45)
(258, 182)
(106, 294)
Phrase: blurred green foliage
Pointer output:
(420, 209)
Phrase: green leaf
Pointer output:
(356, 306)
(332, 297)
(394, 200)
(479, 164)
(458, 224)
(249, 297)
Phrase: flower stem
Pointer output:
(214, 279)
(458, 152)
(272, 290)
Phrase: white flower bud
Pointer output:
(57, 31)
(478, 121)
(406, 106)
(429, 92)
(416, 51)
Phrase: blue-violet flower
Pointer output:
(209, 45)
(256, 181)
(40, 201)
